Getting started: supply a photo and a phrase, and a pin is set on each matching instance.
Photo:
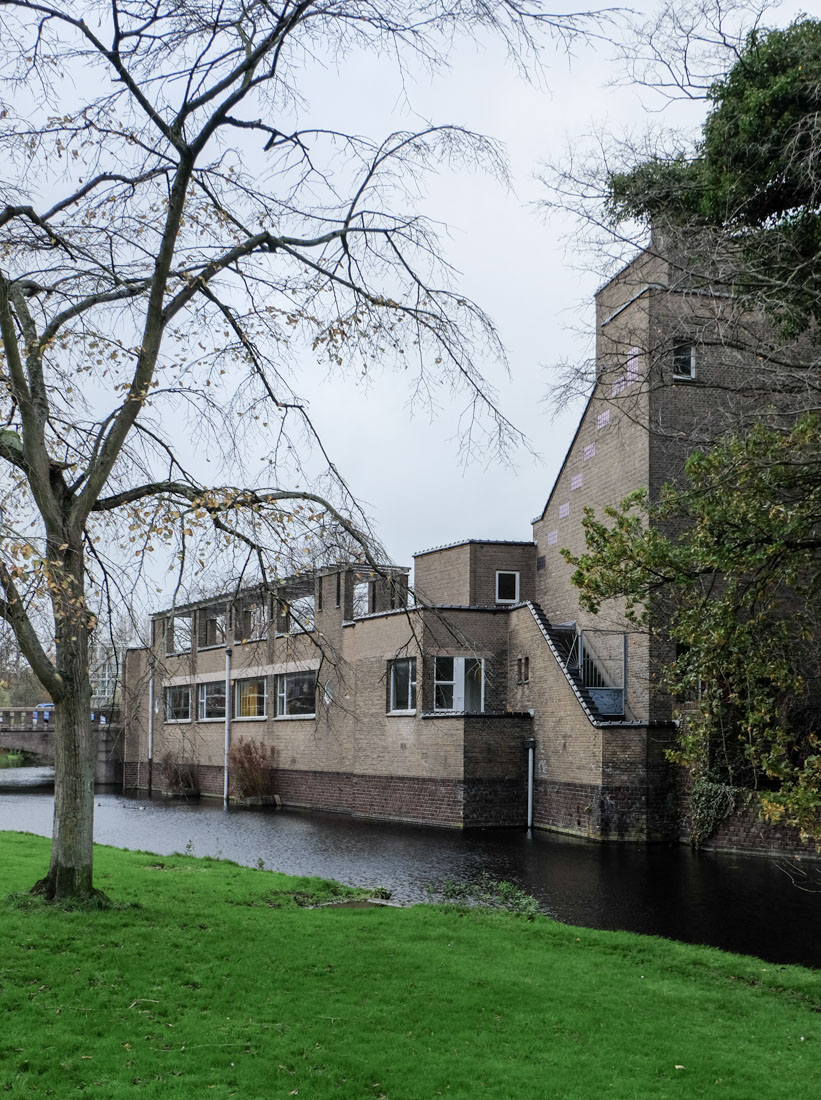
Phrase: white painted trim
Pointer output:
(309, 665)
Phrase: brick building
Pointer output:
(491, 694)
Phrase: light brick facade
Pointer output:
(584, 689)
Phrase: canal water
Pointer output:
(751, 904)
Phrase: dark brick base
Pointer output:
(406, 798)
(614, 813)
(495, 803)
(453, 803)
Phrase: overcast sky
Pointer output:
(513, 261)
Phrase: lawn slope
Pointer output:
(216, 982)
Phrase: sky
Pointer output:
(519, 263)
(514, 260)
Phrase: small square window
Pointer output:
(552, 538)
(589, 451)
(603, 419)
(564, 510)
(684, 361)
(507, 587)
(576, 482)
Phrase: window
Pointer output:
(211, 701)
(338, 589)
(361, 599)
(250, 698)
(178, 703)
(459, 684)
(564, 511)
(684, 361)
(552, 538)
(522, 670)
(319, 593)
(632, 374)
(403, 685)
(507, 587)
(212, 623)
(589, 451)
(250, 622)
(296, 694)
(603, 419)
(575, 482)
(301, 615)
(257, 623)
(178, 634)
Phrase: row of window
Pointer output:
(458, 685)
(295, 696)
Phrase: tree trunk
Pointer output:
(70, 871)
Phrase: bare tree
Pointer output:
(171, 228)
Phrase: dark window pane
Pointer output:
(506, 586)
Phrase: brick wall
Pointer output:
(466, 574)
(495, 770)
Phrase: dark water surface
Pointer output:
(749, 904)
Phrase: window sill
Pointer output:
(295, 717)
(250, 717)
(208, 721)
(205, 648)
(179, 653)
(401, 713)
(177, 721)
(684, 378)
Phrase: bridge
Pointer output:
(32, 730)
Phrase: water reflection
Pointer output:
(740, 903)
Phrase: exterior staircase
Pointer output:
(586, 678)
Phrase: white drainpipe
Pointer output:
(530, 744)
(150, 723)
(227, 721)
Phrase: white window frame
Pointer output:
(393, 709)
(507, 573)
(202, 701)
(177, 687)
(251, 680)
(457, 683)
(281, 692)
(690, 376)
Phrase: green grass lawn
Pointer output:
(215, 982)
